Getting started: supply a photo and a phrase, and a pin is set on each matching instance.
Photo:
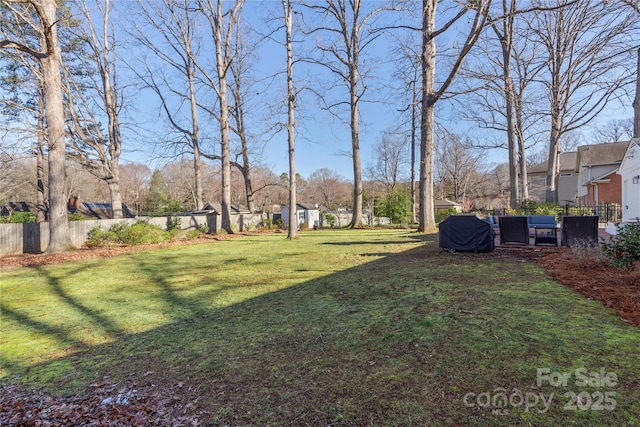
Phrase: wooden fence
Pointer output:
(34, 237)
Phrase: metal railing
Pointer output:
(609, 212)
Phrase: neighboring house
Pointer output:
(99, 210)
(17, 207)
(447, 204)
(488, 202)
(598, 166)
(306, 213)
(216, 209)
(74, 206)
(567, 180)
(630, 177)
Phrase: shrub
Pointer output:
(18, 218)
(586, 253)
(99, 237)
(203, 228)
(279, 223)
(579, 211)
(331, 219)
(623, 249)
(121, 233)
(76, 216)
(551, 209)
(173, 223)
(143, 232)
(443, 214)
(193, 234)
(266, 223)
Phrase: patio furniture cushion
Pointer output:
(542, 221)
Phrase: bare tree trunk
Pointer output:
(553, 165)
(356, 219)
(426, 219)
(222, 68)
(195, 140)
(59, 234)
(636, 102)
(430, 95)
(40, 197)
(414, 129)
(349, 29)
(287, 6)
(523, 168)
(506, 42)
(111, 107)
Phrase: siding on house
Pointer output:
(630, 177)
(595, 164)
(567, 180)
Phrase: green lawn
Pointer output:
(366, 327)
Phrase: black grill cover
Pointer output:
(466, 233)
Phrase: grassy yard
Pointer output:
(367, 327)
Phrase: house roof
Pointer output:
(304, 206)
(567, 163)
(601, 154)
(14, 207)
(633, 146)
(445, 203)
(99, 210)
(90, 210)
(217, 208)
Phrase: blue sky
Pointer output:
(323, 140)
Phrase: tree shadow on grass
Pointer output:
(400, 340)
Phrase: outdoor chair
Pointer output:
(580, 231)
(514, 230)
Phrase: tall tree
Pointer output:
(287, 6)
(221, 25)
(430, 94)
(587, 45)
(391, 160)
(170, 33)
(328, 188)
(42, 16)
(350, 29)
(614, 130)
(459, 165)
(636, 102)
(94, 98)
(239, 72)
(23, 108)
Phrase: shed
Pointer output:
(306, 213)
